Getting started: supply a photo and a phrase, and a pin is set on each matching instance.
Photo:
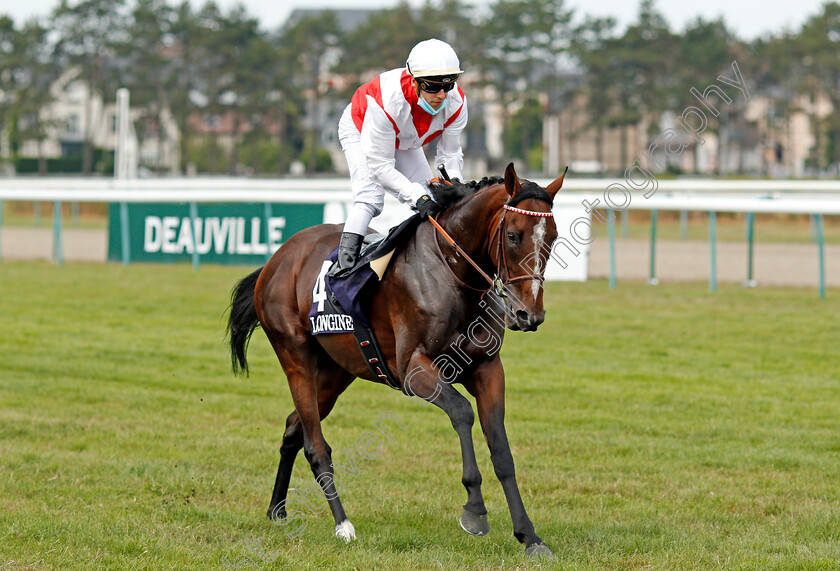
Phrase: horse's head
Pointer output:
(526, 231)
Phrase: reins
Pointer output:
(459, 250)
(501, 258)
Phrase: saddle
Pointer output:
(339, 304)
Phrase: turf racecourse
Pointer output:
(653, 428)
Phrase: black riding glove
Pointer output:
(426, 206)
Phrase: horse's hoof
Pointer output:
(276, 513)
(539, 550)
(345, 531)
(474, 524)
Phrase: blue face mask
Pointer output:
(429, 109)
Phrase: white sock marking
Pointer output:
(345, 531)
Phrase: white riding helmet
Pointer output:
(433, 58)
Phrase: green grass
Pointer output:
(653, 428)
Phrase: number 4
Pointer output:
(319, 292)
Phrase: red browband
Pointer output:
(528, 212)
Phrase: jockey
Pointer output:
(382, 133)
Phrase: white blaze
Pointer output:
(538, 238)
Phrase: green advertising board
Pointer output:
(233, 233)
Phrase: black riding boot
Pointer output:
(348, 253)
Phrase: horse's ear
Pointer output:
(512, 183)
(556, 184)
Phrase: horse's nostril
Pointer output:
(522, 316)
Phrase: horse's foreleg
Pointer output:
(423, 383)
(489, 391)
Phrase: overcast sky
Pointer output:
(748, 18)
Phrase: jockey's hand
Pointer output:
(437, 180)
(426, 206)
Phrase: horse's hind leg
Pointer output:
(318, 452)
(314, 379)
(293, 442)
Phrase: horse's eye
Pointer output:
(512, 237)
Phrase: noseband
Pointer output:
(496, 282)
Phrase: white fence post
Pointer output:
(125, 155)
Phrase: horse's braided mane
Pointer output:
(448, 196)
(477, 185)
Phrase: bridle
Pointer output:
(497, 283)
(501, 257)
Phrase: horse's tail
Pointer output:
(242, 321)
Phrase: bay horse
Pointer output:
(430, 303)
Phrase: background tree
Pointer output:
(88, 33)
(237, 35)
(286, 103)
(182, 74)
(7, 84)
(523, 43)
(526, 57)
(384, 41)
(307, 46)
(211, 79)
(146, 69)
(706, 50)
(33, 72)
(774, 66)
(258, 82)
(646, 75)
(819, 41)
(593, 47)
